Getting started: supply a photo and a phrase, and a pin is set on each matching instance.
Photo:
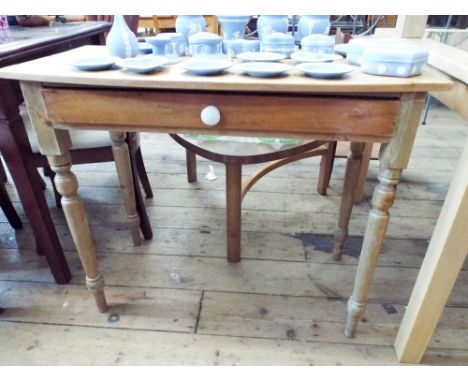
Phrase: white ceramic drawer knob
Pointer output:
(210, 116)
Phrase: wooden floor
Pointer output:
(175, 300)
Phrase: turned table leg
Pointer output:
(353, 166)
(382, 200)
(394, 157)
(67, 186)
(122, 163)
(56, 145)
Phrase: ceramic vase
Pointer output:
(189, 25)
(233, 27)
(315, 24)
(270, 24)
(121, 41)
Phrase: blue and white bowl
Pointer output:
(233, 47)
(318, 43)
(205, 43)
(278, 43)
(171, 44)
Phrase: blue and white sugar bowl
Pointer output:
(172, 44)
(233, 47)
(405, 60)
(318, 43)
(205, 43)
(278, 43)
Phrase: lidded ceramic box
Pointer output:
(278, 43)
(205, 43)
(318, 43)
(356, 47)
(403, 60)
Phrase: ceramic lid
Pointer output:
(203, 37)
(359, 44)
(318, 39)
(169, 36)
(278, 38)
(402, 53)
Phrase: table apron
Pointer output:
(336, 117)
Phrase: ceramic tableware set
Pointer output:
(212, 54)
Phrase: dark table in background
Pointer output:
(28, 43)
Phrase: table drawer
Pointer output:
(241, 113)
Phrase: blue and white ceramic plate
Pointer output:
(341, 49)
(142, 64)
(314, 57)
(261, 56)
(325, 70)
(264, 69)
(97, 63)
(145, 48)
(206, 66)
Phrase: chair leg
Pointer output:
(145, 225)
(191, 160)
(233, 211)
(142, 174)
(326, 168)
(3, 176)
(51, 174)
(9, 209)
(41, 181)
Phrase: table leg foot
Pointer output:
(355, 313)
(96, 286)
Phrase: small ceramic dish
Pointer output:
(264, 69)
(315, 57)
(92, 64)
(261, 56)
(206, 67)
(142, 65)
(322, 70)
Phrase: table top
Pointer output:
(25, 38)
(56, 69)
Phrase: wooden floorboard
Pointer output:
(176, 301)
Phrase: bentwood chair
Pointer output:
(236, 152)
